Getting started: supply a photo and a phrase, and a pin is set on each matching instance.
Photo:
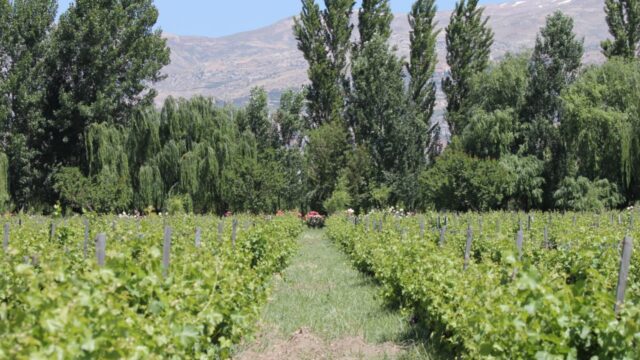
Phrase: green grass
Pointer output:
(322, 292)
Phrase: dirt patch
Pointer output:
(304, 345)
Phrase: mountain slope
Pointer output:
(226, 68)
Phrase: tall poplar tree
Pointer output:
(623, 18)
(26, 29)
(421, 68)
(469, 40)
(379, 108)
(338, 31)
(423, 56)
(374, 20)
(324, 40)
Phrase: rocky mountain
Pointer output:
(226, 68)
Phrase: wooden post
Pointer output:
(52, 232)
(220, 230)
(85, 245)
(467, 251)
(422, 228)
(234, 232)
(519, 241)
(101, 248)
(198, 236)
(5, 242)
(546, 237)
(627, 249)
(529, 220)
(438, 225)
(574, 220)
(166, 251)
(443, 230)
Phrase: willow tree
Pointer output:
(600, 125)
(109, 167)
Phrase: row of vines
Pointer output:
(57, 302)
(553, 298)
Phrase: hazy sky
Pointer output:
(223, 17)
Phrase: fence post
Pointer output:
(52, 232)
(198, 236)
(546, 237)
(220, 230)
(627, 249)
(443, 230)
(85, 245)
(529, 221)
(519, 241)
(101, 248)
(166, 252)
(467, 251)
(5, 242)
(422, 228)
(234, 232)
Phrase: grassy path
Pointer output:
(322, 308)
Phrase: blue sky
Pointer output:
(223, 17)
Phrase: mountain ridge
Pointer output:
(227, 67)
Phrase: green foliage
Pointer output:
(459, 182)
(24, 43)
(109, 167)
(5, 197)
(324, 40)
(208, 302)
(76, 191)
(502, 86)
(150, 192)
(258, 118)
(581, 194)
(378, 103)
(423, 58)
(468, 41)
(374, 21)
(623, 18)
(527, 184)
(600, 125)
(289, 118)
(114, 56)
(176, 205)
(554, 65)
(490, 135)
(324, 158)
(340, 199)
(554, 301)
(358, 171)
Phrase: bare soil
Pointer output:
(304, 345)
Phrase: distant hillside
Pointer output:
(226, 68)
